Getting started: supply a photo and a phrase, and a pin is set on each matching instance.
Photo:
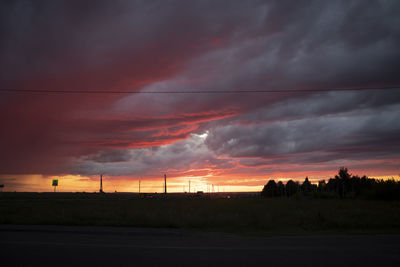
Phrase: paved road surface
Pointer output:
(107, 246)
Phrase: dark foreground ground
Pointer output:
(111, 246)
(239, 215)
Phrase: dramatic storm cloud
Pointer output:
(164, 46)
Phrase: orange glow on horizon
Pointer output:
(175, 184)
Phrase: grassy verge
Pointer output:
(252, 215)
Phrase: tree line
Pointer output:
(343, 185)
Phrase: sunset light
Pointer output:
(200, 133)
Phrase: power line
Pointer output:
(43, 91)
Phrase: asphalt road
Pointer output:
(108, 246)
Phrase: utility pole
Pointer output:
(101, 183)
(139, 187)
(165, 185)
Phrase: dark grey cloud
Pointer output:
(179, 157)
(110, 156)
(202, 45)
(368, 134)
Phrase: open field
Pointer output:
(239, 215)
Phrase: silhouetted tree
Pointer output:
(344, 184)
(343, 174)
(322, 186)
(306, 187)
(280, 189)
(270, 189)
(291, 188)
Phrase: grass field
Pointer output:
(239, 215)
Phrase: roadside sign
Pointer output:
(55, 184)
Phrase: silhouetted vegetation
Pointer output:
(291, 188)
(343, 185)
(270, 189)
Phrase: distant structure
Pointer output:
(55, 184)
(165, 184)
(101, 183)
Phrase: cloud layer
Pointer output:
(206, 45)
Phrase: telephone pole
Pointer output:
(101, 183)
(165, 185)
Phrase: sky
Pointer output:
(235, 142)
